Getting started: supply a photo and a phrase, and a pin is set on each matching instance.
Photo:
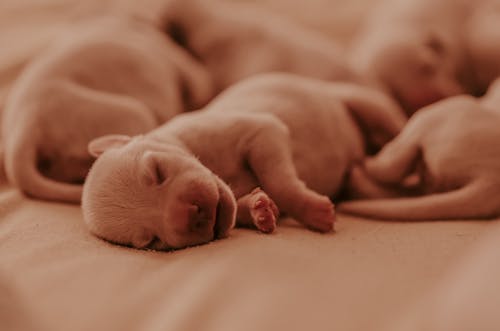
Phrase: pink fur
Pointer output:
(109, 75)
(293, 137)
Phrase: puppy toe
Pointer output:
(264, 212)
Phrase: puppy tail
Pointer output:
(22, 171)
(470, 201)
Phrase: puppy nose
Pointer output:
(201, 218)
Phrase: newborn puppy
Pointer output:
(452, 146)
(110, 75)
(414, 51)
(237, 40)
(281, 142)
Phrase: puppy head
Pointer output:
(418, 68)
(145, 194)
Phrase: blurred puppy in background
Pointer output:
(237, 40)
(109, 75)
(283, 143)
(451, 147)
(415, 51)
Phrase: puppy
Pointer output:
(281, 142)
(237, 40)
(111, 75)
(452, 146)
(414, 51)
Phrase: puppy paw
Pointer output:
(264, 211)
(319, 213)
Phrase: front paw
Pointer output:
(264, 211)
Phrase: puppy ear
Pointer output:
(99, 145)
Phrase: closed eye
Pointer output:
(154, 171)
(160, 175)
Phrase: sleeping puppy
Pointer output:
(111, 75)
(414, 51)
(237, 40)
(452, 147)
(281, 142)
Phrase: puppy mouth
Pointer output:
(219, 228)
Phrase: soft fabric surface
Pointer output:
(359, 278)
(466, 298)
(369, 275)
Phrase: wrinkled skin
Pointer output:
(108, 75)
(450, 149)
(282, 143)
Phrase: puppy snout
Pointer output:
(201, 218)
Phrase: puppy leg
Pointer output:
(377, 114)
(257, 209)
(360, 186)
(270, 157)
(396, 160)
